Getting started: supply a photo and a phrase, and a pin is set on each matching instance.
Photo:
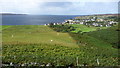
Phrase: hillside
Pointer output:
(35, 34)
(11, 14)
(39, 45)
(109, 35)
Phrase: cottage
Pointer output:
(68, 21)
(54, 24)
(101, 25)
(45, 24)
(81, 22)
(92, 20)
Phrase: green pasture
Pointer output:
(36, 34)
(84, 28)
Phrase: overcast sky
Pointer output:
(62, 7)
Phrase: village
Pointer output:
(96, 21)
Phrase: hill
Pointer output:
(10, 14)
(39, 45)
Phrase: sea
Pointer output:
(34, 19)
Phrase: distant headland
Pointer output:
(11, 14)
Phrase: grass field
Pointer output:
(36, 34)
(37, 43)
(83, 28)
(107, 35)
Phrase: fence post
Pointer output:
(77, 61)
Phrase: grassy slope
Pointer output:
(35, 41)
(103, 37)
(5, 27)
(36, 34)
(109, 35)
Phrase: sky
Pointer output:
(62, 7)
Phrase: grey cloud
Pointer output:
(57, 4)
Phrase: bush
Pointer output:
(62, 28)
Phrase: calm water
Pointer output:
(34, 19)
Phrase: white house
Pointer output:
(81, 22)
